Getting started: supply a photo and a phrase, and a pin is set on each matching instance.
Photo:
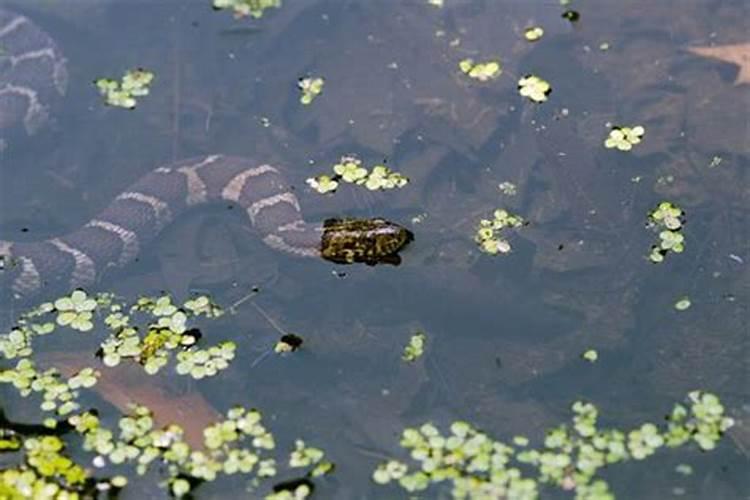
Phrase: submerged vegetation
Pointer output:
(570, 457)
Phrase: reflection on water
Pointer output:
(505, 333)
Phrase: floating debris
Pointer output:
(534, 88)
(488, 234)
(415, 348)
(135, 83)
(244, 8)
(668, 219)
(571, 15)
(715, 162)
(624, 138)
(288, 343)
(480, 71)
(311, 88)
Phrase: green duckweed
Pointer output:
(244, 8)
(534, 88)
(350, 170)
(481, 71)
(569, 458)
(533, 33)
(124, 93)
(668, 219)
(489, 234)
(624, 138)
(310, 88)
(415, 348)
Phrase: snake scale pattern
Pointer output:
(33, 75)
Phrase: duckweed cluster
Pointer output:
(415, 348)
(239, 444)
(534, 88)
(310, 88)
(668, 219)
(122, 94)
(244, 8)
(533, 33)
(482, 71)
(624, 138)
(46, 472)
(569, 458)
(488, 234)
(508, 188)
(351, 171)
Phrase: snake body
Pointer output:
(33, 75)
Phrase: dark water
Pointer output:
(505, 334)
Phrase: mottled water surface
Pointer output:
(505, 334)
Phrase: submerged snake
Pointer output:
(33, 75)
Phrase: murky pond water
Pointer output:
(505, 334)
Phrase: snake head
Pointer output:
(370, 241)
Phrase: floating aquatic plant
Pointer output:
(533, 33)
(310, 88)
(323, 184)
(239, 444)
(507, 188)
(683, 304)
(489, 233)
(415, 348)
(570, 456)
(350, 170)
(244, 8)
(535, 88)
(480, 71)
(590, 355)
(76, 311)
(624, 138)
(134, 83)
(668, 219)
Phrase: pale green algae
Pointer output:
(239, 444)
(569, 458)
